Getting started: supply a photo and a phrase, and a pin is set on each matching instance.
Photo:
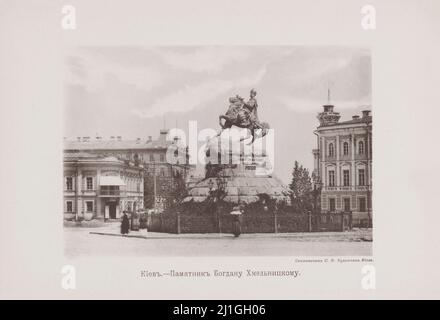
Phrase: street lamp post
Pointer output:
(316, 191)
(215, 194)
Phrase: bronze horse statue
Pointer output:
(239, 115)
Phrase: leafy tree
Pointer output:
(301, 187)
(173, 189)
(178, 190)
(148, 192)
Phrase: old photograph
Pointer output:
(218, 151)
(219, 154)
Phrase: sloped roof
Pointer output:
(114, 144)
(85, 157)
(359, 120)
(367, 119)
(80, 155)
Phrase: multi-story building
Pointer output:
(151, 155)
(97, 186)
(139, 151)
(343, 164)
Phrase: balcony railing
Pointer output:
(112, 193)
(104, 193)
(347, 188)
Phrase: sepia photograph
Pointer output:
(218, 150)
(218, 155)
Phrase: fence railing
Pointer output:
(250, 223)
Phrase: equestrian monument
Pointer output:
(239, 159)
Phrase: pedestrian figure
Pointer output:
(236, 213)
(125, 225)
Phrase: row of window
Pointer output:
(89, 184)
(345, 149)
(89, 206)
(346, 178)
(362, 204)
(136, 157)
(69, 183)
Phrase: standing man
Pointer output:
(252, 106)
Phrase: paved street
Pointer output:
(107, 241)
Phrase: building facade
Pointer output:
(101, 187)
(143, 151)
(148, 155)
(343, 165)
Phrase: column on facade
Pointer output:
(316, 162)
(323, 153)
(323, 173)
(368, 153)
(338, 169)
(353, 162)
(79, 204)
(98, 199)
(368, 168)
(369, 174)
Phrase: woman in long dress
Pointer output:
(125, 225)
(236, 213)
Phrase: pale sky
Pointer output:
(132, 91)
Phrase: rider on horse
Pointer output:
(252, 106)
(243, 115)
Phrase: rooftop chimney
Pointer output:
(365, 113)
(163, 136)
(355, 117)
(78, 138)
(150, 138)
(119, 138)
(86, 139)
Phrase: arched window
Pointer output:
(361, 147)
(331, 150)
(345, 148)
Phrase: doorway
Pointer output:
(112, 210)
